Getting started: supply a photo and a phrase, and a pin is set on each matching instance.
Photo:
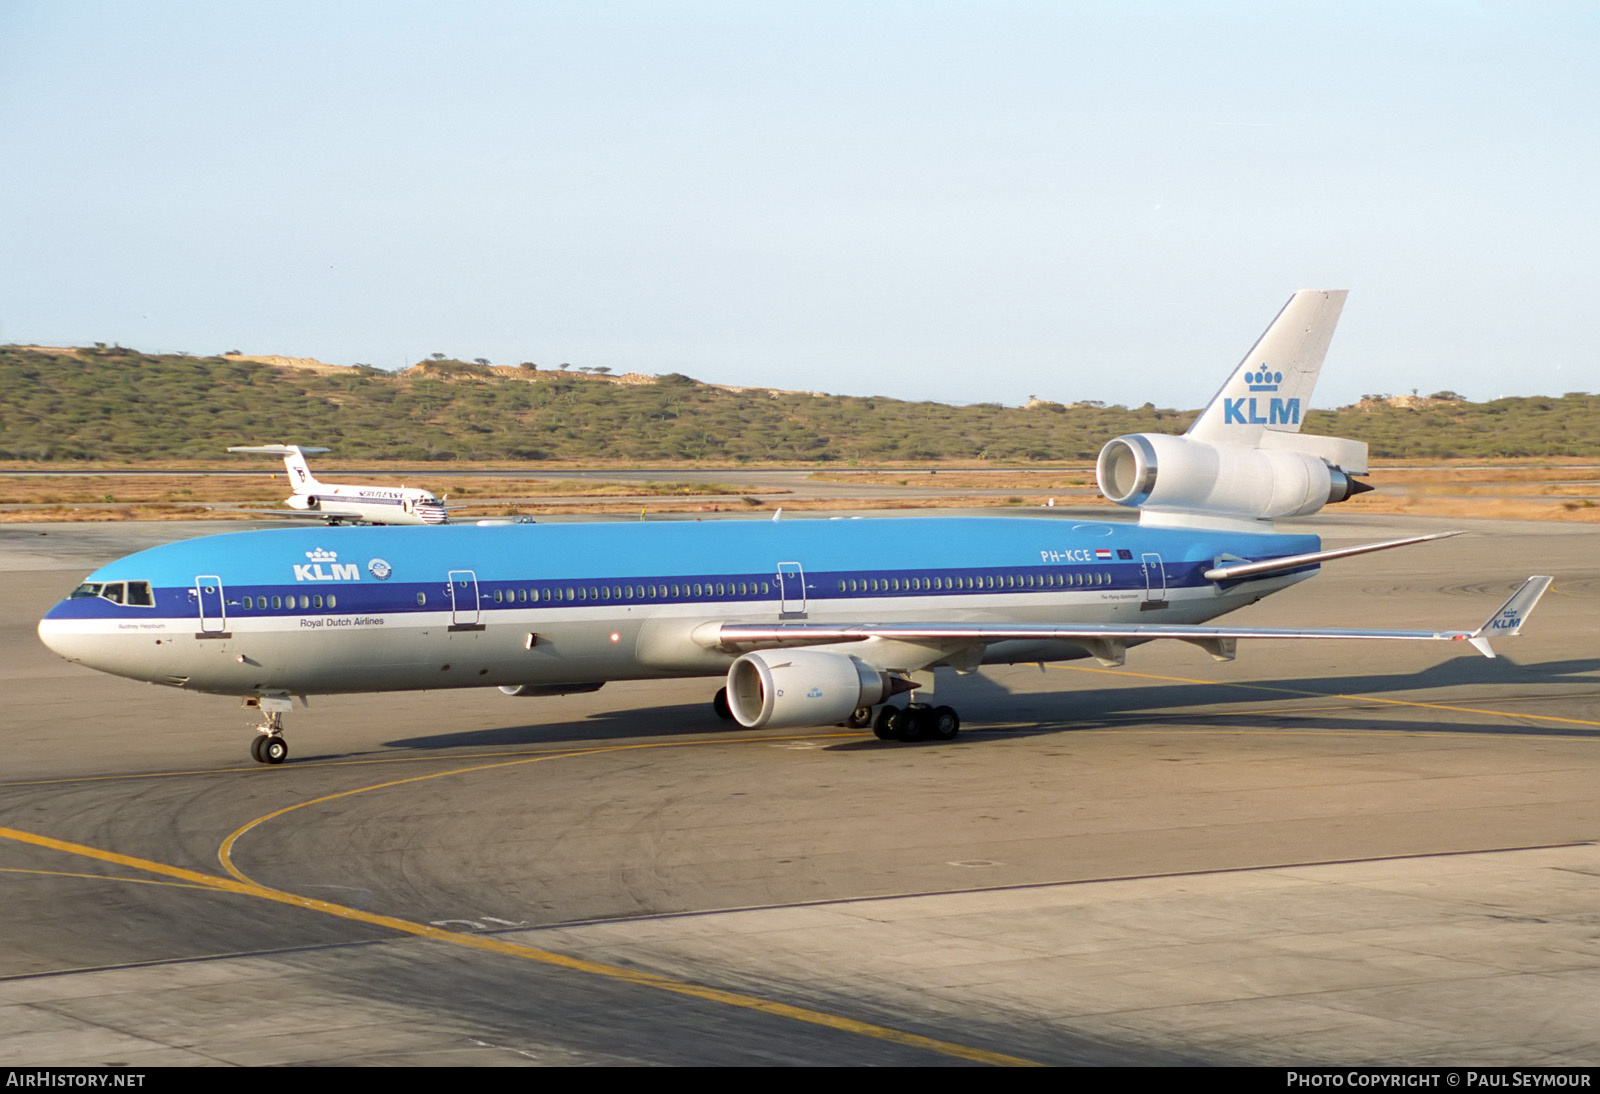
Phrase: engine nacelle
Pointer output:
(1157, 471)
(784, 688)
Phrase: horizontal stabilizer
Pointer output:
(1341, 452)
(277, 449)
(1236, 571)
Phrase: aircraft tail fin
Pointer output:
(1271, 388)
(1512, 614)
(294, 461)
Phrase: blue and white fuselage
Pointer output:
(297, 611)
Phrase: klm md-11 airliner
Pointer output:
(811, 622)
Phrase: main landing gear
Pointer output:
(917, 722)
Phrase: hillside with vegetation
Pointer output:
(113, 403)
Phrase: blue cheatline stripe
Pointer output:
(682, 562)
(397, 598)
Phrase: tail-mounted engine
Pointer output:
(789, 688)
(1154, 471)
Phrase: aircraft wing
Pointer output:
(1105, 641)
(325, 515)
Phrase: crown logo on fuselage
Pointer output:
(320, 555)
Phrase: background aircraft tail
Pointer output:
(294, 461)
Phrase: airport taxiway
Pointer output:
(1321, 853)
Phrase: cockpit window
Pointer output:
(134, 593)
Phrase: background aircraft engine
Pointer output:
(1157, 471)
(784, 688)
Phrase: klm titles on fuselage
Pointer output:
(1279, 411)
(336, 571)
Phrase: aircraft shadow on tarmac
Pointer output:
(1097, 708)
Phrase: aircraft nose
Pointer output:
(61, 636)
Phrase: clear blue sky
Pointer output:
(957, 201)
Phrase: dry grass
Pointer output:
(1517, 490)
(199, 490)
(1007, 479)
(788, 505)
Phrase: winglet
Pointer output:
(1512, 614)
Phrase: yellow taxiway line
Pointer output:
(241, 885)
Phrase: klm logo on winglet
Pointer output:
(1279, 411)
(1508, 620)
(313, 571)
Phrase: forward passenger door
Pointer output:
(791, 590)
(209, 604)
(463, 598)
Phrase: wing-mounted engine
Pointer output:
(793, 688)
(1244, 458)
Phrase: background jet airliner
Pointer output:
(340, 504)
(813, 622)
